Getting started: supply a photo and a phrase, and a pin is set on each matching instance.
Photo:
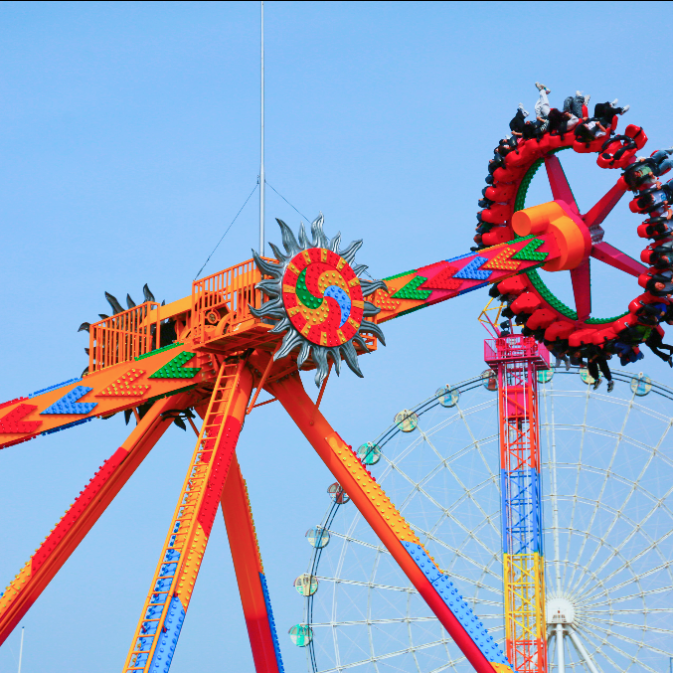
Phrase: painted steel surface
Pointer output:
(163, 614)
(439, 592)
(250, 573)
(516, 360)
(83, 514)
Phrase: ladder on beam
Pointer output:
(173, 582)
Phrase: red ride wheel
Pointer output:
(547, 317)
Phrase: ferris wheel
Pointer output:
(608, 520)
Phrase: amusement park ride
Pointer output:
(254, 326)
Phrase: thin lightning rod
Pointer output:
(21, 649)
(262, 180)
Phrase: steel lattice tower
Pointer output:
(516, 360)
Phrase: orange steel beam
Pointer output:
(83, 514)
(261, 382)
(127, 385)
(250, 573)
(387, 523)
(124, 373)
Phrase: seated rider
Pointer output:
(656, 201)
(655, 342)
(542, 109)
(652, 314)
(590, 130)
(660, 284)
(627, 353)
(642, 174)
(573, 104)
(663, 160)
(561, 122)
(660, 256)
(518, 122)
(600, 359)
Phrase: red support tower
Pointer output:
(516, 360)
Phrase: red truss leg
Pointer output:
(250, 573)
(432, 584)
(83, 514)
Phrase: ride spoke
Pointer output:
(369, 622)
(399, 653)
(658, 503)
(585, 659)
(626, 639)
(446, 512)
(608, 254)
(370, 585)
(581, 278)
(594, 514)
(595, 217)
(554, 493)
(476, 503)
(559, 183)
(577, 485)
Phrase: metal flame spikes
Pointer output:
(318, 295)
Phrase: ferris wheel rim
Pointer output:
(476, 381)
(600, 619)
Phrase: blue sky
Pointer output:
(129, 140)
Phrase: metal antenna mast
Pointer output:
(21, 650)
(262, 180)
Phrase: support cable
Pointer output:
(286, 201)
(245, 203)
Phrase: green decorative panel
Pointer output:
(409, 291)
(175, 370)
(529, 252)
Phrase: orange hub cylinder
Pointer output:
(570, 233)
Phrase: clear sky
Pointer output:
(129, 139)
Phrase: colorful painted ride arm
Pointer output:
(428, 285)
(19, 596)
(164, 611)
(250, 573)
(433, 585)
(127, 385)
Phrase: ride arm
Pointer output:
(394, 532)
(250, 573)
(126, 385)
(83, 513)
(428, 285)
(166, 605)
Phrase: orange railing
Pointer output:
(222, 301)
(124, 336)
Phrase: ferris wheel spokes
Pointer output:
(597, 506)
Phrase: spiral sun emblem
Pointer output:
(318, 296)
(323, 297)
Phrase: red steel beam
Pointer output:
(374, 506)
(83, 513)
(250, 573)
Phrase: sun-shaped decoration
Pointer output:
(318, 298)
